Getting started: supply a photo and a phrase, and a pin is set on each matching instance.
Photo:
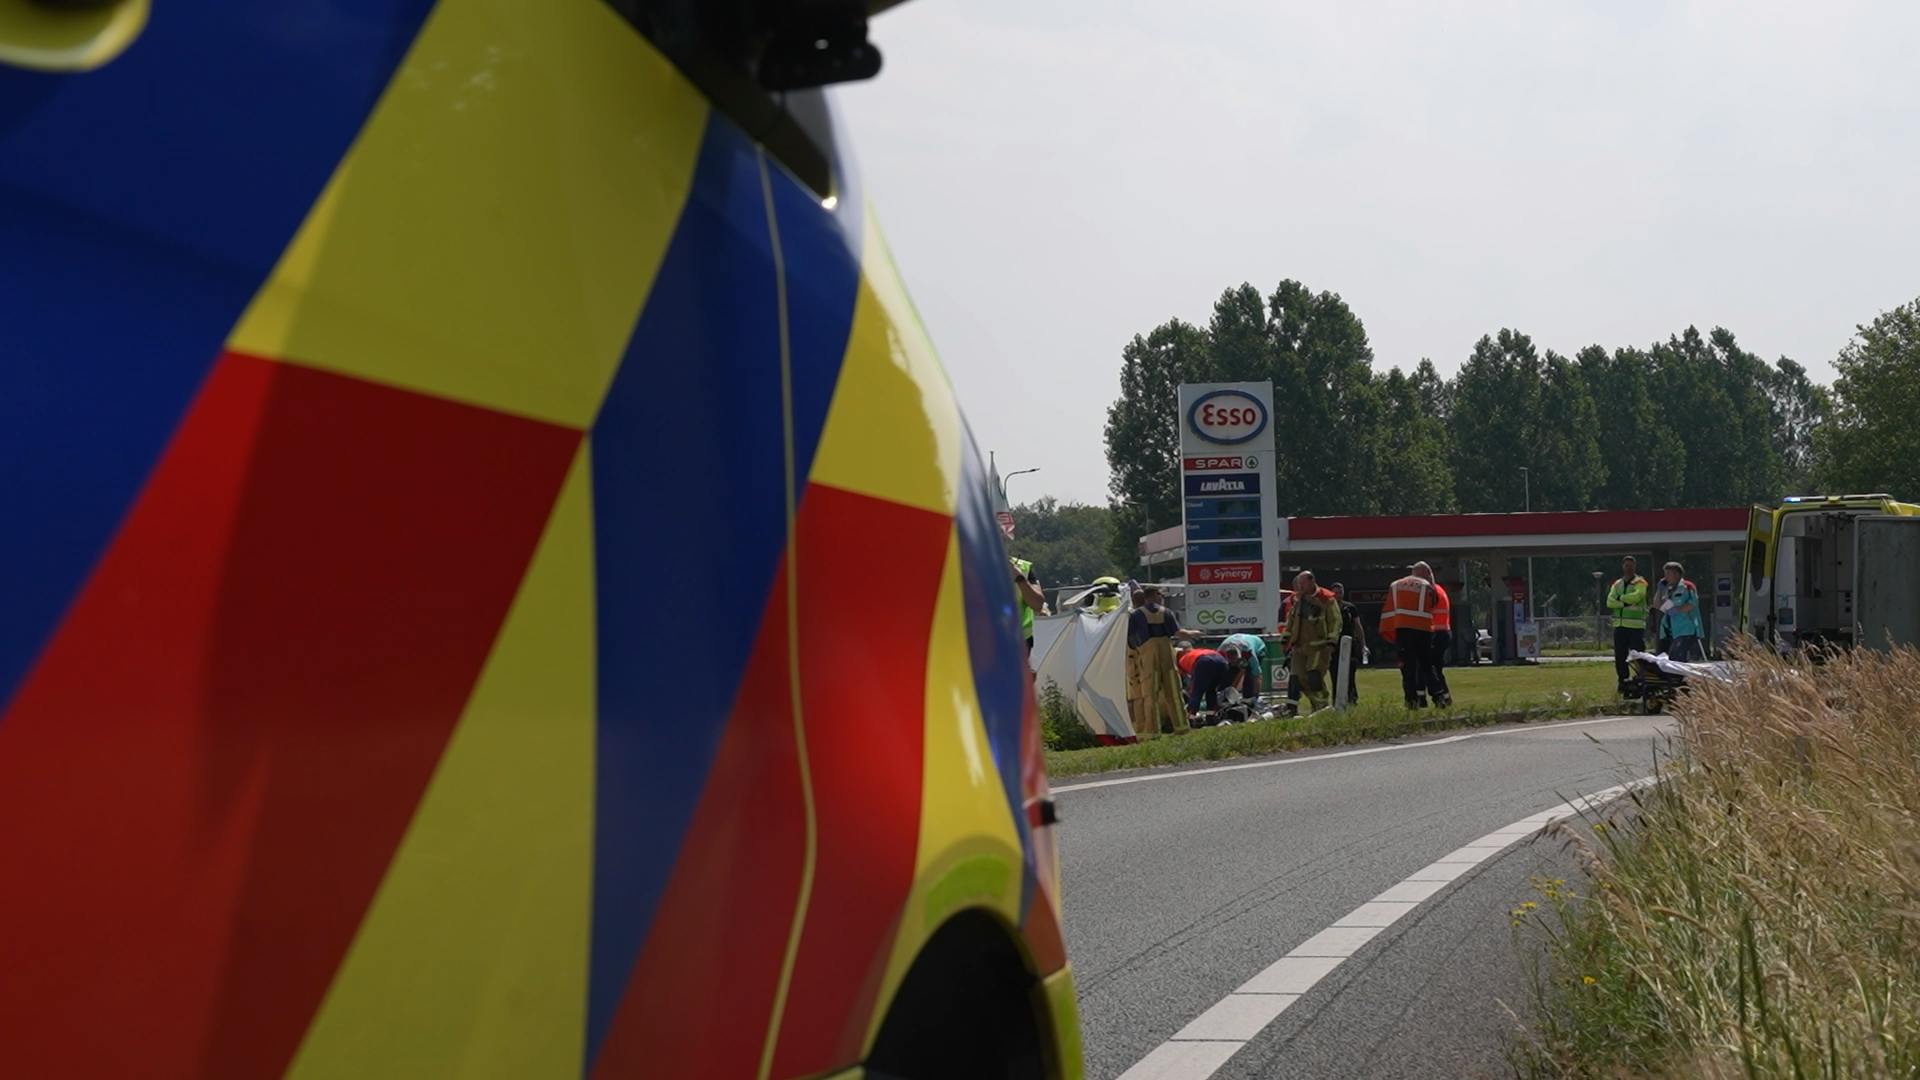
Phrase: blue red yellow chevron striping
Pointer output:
(139, 216)
(562, 631)
(270, 658)
(821, 280)
(719, 933)
(690, 520)
(863, 669)
(993, 643)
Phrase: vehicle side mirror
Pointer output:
(816, 43)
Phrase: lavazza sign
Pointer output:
(1229, 515)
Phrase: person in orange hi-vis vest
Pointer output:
(1440, 640)
(1406, 620)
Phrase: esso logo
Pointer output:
(1228, 417)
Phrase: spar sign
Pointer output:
(1230, 517)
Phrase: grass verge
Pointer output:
(1482, 695)
(1759, 916)
(1596, 652)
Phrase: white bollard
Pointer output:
(1346, 673)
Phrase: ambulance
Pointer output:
(1832, 570)
(448, 448)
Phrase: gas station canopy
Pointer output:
(1449, 540)
(1576, 532)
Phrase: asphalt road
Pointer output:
(1181, 888)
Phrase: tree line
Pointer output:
(1068, 543)
(1695, 420)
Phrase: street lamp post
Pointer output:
(1011, 475)
(1526, 481)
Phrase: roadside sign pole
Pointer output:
(1228, 510)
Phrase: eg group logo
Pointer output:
(1211, 617)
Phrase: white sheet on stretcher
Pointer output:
(1718, 670)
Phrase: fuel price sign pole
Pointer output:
(1229, 515)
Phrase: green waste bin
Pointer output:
(1273, 665)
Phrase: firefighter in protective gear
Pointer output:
(1155, 681)
(1136, 670)
(1406, 620)
(1313, 631)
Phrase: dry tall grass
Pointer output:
(1759, 914)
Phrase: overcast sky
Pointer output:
(1057, 175)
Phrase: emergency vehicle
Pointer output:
(1832, 570)
(404, 405)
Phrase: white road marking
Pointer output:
(1376, 913)
(1184, 1060)
(1412, 891)
(1340, 941)
(1237, 1017)
(1198, 1050)
(1442, 872)
(1274, 762)
(1291, 975)
(1150, 777)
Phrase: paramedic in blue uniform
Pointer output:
(1681, 610)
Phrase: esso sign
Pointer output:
(1227, 417)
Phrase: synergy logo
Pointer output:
(1228, 417)
(1226, 573)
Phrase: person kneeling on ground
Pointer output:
(1251, 683)
(1207, 673)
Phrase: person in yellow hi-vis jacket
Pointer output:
(1627, 604)
(1026, 584)
(1150, 633)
